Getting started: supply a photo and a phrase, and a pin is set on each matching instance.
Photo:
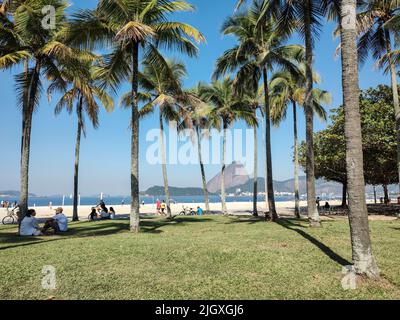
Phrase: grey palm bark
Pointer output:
(203, 173)
(135, 205)
(363, 259)
(26, 140)
(75, 216)
(313, 214)
(223, 195)
(296, 164)
(255, 170)
(265, 171)
(164, 166)
(395, 92)
(270, 183)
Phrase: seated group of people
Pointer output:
(30, 225)
(101, 212)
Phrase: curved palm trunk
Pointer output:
(270, 182)
(313, 214)
(75, 216)
(364, 262)
(223, 195)
(27, 114)
(296, 164)
(395, 92)
(203, 173)
(135, 205)
(164, 166)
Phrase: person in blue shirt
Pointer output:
(199, 211)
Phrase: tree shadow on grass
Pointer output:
(325, 249)
(253, 220)
(95, 229)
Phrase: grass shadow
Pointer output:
(95, 229)
(325, 249)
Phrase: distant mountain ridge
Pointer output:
(13, 194)
(287, 186)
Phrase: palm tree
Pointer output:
(363, 259)
(260, 48)
(129, 27)
(197, 113)
(254, 99)
(25, 40)
(289, 89)
(228, 108)
(305, 17)
(162, 83)
(378, 22)
(84, 90)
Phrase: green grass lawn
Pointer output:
(212, 257)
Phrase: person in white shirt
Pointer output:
(30, 225)
(61, 219)
(59, 223)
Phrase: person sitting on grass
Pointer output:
(112, 213)
(199, 211)
(93, 214)
(59, 223)
(30, 225)
(103, 212)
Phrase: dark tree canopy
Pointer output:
(379, 141)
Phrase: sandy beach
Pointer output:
(235, 208)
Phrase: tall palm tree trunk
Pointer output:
(270, 182)
(26, 140)
(395, 99)
(203, 172)
(386, 194)
(135, 205)
(164, 165)
(344, 195)
(364, 261)
(265, 170)
(296, 164)
(313, 214)
(223, 195)
(255, 170)
(75, 216)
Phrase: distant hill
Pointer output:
(322, 186)
(174, 191)
(13, 194)
(235, 176)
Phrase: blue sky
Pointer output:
(105, 153)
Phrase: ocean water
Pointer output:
(92, 201)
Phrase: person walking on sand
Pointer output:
(163, 206)
(158, 206)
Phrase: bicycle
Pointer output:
(10, 218)
(187, 211)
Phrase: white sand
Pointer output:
(235, 208)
